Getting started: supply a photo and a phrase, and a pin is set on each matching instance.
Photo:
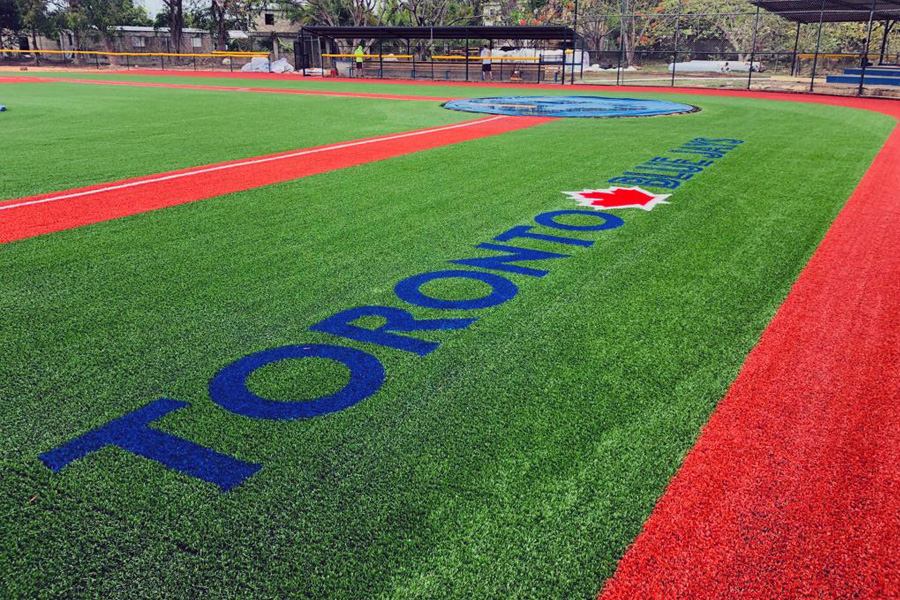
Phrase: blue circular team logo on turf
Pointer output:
(570, 106)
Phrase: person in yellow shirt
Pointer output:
(359, 54)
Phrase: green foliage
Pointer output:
(10, 19)
(196, 15)
(99, 18)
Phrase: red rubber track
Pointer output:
(221, 88)
(48, 213)
(793, 488)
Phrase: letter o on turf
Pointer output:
(229, 390)
(409, 290)
(547, 219)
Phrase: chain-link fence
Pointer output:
(824, 51)
(217, 61)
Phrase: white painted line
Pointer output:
(246, 163)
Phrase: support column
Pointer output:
(884, 39)
(812, 80)
(675, 53)
(467, 53)
(796, 42)
(575, 43)
(865, 55)
(753, 49)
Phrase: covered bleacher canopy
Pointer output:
(832, 11)
(558, 38)
(537, 32)
(804, 12)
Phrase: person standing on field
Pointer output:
(359, 54)
(486, 63)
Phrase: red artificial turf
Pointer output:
(48, 213)
(793, 488)
(221, 88)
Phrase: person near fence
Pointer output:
(486, 63)
(360, 56)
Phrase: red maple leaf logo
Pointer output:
(616, 197)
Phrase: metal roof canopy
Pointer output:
(542, 32)
(832, 11)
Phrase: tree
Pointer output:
(341, 12)
(100, 19)
(175, 11)
(35, 20)
(437, 12)
(232, 14)
(384, 12)
(10, 23)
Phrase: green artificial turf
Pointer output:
(74, 134)
(518, 460)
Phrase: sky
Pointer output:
(152, 6)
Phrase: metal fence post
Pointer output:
(865, 56)
(796, 43)
(884, 39)
(753, 49)
(467, 53)
(575, 45)
(675, 53)
(621, 48)
(812, 80)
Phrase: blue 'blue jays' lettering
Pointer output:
(669, 173)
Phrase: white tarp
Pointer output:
(581, 58)
(714, 66)
(259, 64)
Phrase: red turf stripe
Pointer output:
(793, 489)
(221, 88)
(47, 213)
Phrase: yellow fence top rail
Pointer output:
(216, 55)
(369, 55)
(873, 56)
(487, 58)
(449, 57)
(238, 53)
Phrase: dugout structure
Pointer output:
(450, 53)
(820, 12)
